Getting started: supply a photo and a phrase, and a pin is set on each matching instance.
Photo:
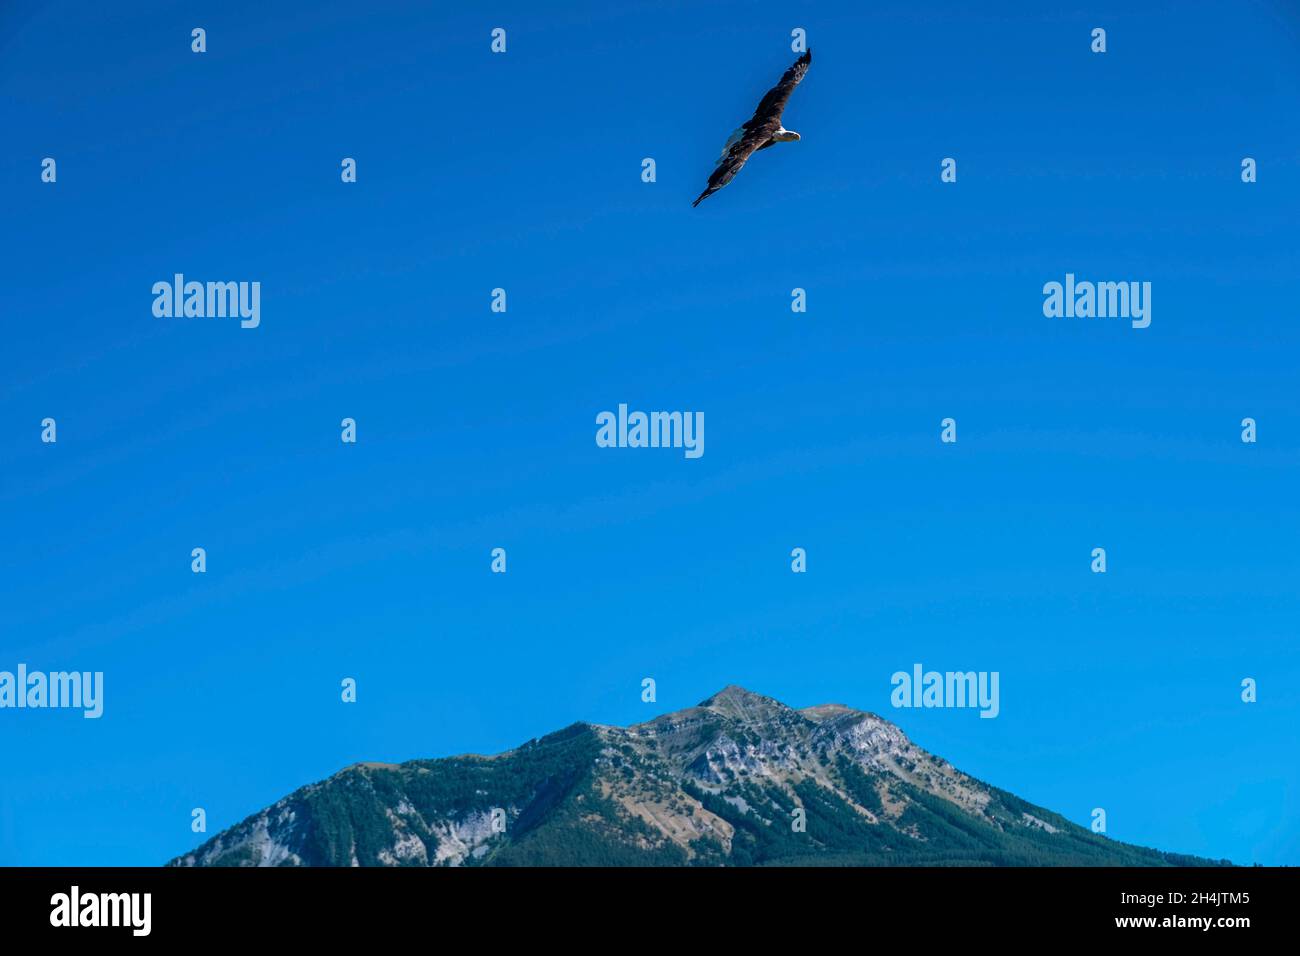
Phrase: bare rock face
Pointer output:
(740, 779)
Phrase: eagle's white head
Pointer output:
(784, 135)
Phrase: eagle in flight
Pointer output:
(761, 131)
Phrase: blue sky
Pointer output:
(476, 430)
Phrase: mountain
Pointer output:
(715, 784)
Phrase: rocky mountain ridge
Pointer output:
(740, 779)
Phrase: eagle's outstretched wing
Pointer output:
(759, 129)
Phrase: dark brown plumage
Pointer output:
(757, 133)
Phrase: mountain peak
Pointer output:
(735, 701)
(710, 785)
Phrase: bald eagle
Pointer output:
(763, 129)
